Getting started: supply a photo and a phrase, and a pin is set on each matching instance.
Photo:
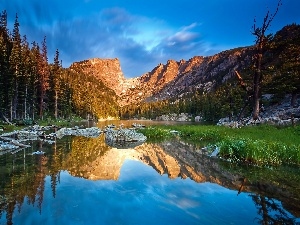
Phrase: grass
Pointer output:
(156, 134)
(259, 145)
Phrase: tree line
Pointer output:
(279, 75)
(32, 88)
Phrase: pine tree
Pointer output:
(43, 79)
(54, 84)
(26, 74)
(5, 78)
(33, 80)
(15, 68)
(287, 54)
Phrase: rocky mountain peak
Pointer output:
(173, 79)
(107, 70)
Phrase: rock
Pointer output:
(175, 117)
(107, 70)
(137, 125)
(75, 131)
(198, 118)
(13, 140)
(281, 114)
(174, 132)
(38, 153)
(123, 135)
(7, 146)
(215, 152)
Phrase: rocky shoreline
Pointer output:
(115, 137)
(17, 140)
(279, 115)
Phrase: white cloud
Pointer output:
(185, 34)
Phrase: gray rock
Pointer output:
(124, 135)
(87, 132)
(198, 118)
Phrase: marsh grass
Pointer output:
(259, 145)
(259, 152)
(156, 134)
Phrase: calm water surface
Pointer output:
(84, 181)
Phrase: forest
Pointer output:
(31, 88)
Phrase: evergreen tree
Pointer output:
(5, 78)
(25, 77)
(65, 102)
(43, 78)
(34, 80)
(15, 62)
(54, 86)
(286, 48)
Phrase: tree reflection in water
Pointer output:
(271, 211)
(23, 174)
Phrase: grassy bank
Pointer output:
(259, 145)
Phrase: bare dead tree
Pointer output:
(260, 44)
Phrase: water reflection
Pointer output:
(24, 177)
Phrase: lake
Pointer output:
(82, 180)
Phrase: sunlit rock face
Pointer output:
(107, 70)
(178, 78)
(173, 79)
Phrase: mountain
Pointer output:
(107, 70)
(174, 79)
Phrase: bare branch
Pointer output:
(266, 22)
(241, 81)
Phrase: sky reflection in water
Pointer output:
(140, 196)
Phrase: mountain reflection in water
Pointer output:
(33, 187)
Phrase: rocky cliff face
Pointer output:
(174, 79)
(107, 70)
(203, 73)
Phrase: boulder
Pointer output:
(182, 117)
(76, 131)
(198, 118)
(123, 135)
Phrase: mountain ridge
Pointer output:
(173, 79)
(204, 74)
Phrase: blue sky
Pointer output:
(143, 33)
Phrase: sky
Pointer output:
(143, 33)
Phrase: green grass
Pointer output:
(156, 134)
(259, 152)
(259, 145)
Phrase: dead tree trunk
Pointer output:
(257, 78)
(261, 41)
